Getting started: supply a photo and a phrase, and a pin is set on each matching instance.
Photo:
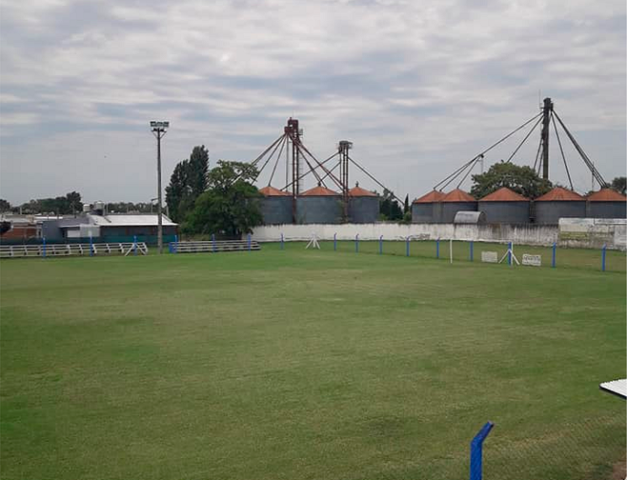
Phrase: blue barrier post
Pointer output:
(135, 245)
(282, 242)
(357, 243)
(603, 255)
(176, 244)
(250, 242)
(213, 243)
(335, 242)
(472, 251)
(509, 253)
(381, 245)
(407, 247)
(476, 452)
(91, 245)
(553, 256)
(437, 248)
(44, 246)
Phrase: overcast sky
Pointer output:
(420, 87)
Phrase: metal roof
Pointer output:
(357, 191)
(319, 192)
(457, 195)
(431, 197)
(504, 194)
(606, 195)
(121, 220)
(559, 194)
(273, 192)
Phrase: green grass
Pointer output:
(302, 364)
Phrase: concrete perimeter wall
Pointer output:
(571, 232)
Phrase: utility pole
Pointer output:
(159, 130)
(547, 110)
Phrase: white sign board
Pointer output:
(489, 257)
(532, 260)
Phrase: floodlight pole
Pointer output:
(159, 131)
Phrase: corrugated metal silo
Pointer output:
(363, 205)
(423, 208)
(318, 205)
(505, 206)
(276, 206)
(558, 203)
(455, 201)
(606, 203)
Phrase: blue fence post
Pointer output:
(335, 242)
(176, 244)
(44, 246)
(476, 452)
(472, 251)
(91, 245)
(135, 245)
(213, 242)
(437, 248)
(509, 253)
(282, 242)
(357, 243)
(407, 247)
(603, 255)
(381, 245)
(553, 256)
(250, 242)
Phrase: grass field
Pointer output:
(302, 364)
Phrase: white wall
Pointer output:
(610, 232)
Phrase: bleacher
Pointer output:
(214, 246)
(72, 249)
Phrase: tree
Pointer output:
(620, 185)
(523, 180)
(229, 206)
(187, 183)
(389, 209)
(4, 227)
(406, 205)
(70, 203)
(4, 205)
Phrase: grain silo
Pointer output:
(606, 203)
(455, 201)
(318, 205)
(505, 206)
(275, 206)
(423, 208)
(558, 203)
(363, 205)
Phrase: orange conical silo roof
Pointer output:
(560, 194)
(606, 195)
(319, 191)
(273, 192)
(504, 194)
(357, 191)
(457, 195)
(431, 197)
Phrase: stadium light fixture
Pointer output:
(159, 129)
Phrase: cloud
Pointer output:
(418, 87)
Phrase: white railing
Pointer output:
(59, 250)
(214, 246)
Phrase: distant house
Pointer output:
(110, 227)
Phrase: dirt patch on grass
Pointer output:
(620, 471)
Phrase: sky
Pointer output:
(419, 87)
